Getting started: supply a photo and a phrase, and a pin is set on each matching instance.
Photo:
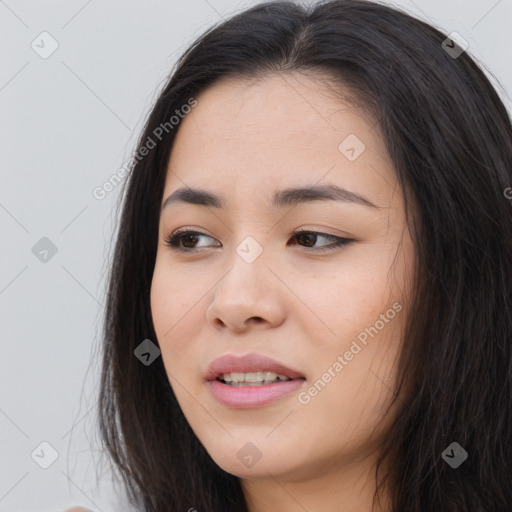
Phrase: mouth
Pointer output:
(252, 380)
(259, 378)
(257, 369)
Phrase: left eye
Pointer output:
(309, 236)
(185, 241)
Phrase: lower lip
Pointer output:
(247, 397)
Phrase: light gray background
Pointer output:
(68, 123)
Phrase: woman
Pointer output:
(310, 300)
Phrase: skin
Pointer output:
(243, 140)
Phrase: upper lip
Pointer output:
(248, 363)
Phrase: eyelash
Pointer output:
(173, 241)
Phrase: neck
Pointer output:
(344, 489)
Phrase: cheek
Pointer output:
(162, 307)
(174, 310)
(351, 394)
(348, 299)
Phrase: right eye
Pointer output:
(186, 237)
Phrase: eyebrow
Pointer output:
(282, 198)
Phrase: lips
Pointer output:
(248, 363)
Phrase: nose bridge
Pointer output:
(245, 291)
(248, 267)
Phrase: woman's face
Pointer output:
(246, 283)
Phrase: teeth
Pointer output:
(253, 378)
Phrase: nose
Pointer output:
(249, 295)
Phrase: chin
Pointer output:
(252, 460)
(260, 470)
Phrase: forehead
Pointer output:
(254, 136)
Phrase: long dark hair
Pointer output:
(450, 139)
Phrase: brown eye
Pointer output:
(309, 238)
(186, 241)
